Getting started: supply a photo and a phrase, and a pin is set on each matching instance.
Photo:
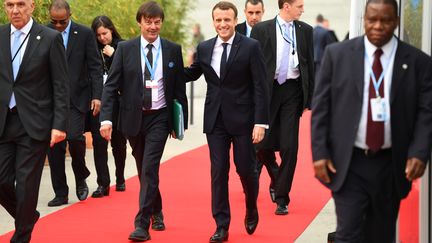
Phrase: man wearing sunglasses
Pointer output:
(85, 84)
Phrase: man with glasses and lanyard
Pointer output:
(85, 81)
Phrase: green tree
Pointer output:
(122, 13)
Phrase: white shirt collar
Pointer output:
(155, 43)
(219, 41)
(282, 21)
(26, 29)
(387, 48)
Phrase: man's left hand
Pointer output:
(57, 136)
(95, 106)
(258, 134)
(414, 168)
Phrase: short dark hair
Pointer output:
(281, 2)
(60, 4)
(150, 9)
(223, 5)
(105, 21)
(391, 2)
(320, 18)
(254, 2)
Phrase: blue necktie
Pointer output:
(283, 69)
(16, 61)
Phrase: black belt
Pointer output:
(372, 154)
(149, 112)
(288, 80)
(14, 110)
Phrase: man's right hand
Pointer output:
(105, 131)
(322, 167)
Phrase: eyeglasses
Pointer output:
(61, 21)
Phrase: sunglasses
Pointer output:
(61, 21)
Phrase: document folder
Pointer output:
(178, 121)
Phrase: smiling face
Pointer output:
(224, 22)
(150, 28)
(19, 12)
(380, 23)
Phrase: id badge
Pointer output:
(378, 110)
(105, 77)
(153, 85)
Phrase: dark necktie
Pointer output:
(223, 64)
(147, 99)
(375, 130)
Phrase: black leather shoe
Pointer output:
(272, 193)
(82, 190)
(251, 221)
(101, 191)
(139, 235)
(281, 209)
(157, 222)
(220, 235)
(58, 201)
(121, 187)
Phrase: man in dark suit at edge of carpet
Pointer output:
(371, 125)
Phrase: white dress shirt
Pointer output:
(159, 101)
(217, 53)
(387, 61)
(293, 72)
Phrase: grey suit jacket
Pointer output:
(337, 103)
(41, 87)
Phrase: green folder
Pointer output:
(178, 120)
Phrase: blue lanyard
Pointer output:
(376, 83)
(285, 36)
(155, 62)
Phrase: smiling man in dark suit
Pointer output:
(148, 73)
(288, 52)
(85, 77)
(235, 112)
(371, 125)
(33, 110)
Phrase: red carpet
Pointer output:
(185, 187)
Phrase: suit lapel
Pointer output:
(400, 66)
(357, 54)
(5, 46)
(272, 33)
(166, 53)
(135, 55)
(34, 39)
(73, 34)
(234, 49)
(208, 56)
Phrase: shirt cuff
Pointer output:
(266, 126)
(106, 122)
